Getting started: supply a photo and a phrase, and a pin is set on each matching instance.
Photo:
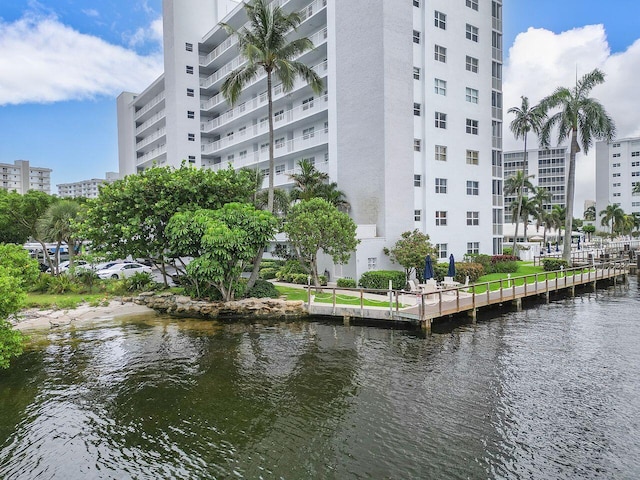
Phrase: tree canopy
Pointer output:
(316, 225)
(410, 252)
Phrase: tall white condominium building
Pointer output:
(409, 125)
(22, 177)
(617, 173)
(85, 188)
(547, 167)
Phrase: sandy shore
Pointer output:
(34, 319)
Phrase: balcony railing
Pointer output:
(284, 118)
(150, 121)
(217, 99)
(152, 103)
(151, 138)
(156, 152)
(497, 200)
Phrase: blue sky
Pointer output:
(63, 62)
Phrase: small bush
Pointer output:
(504, 267)
(507, 250)
(62, 284)
(263, 289)
(473, 270)
(503, 258)
(379, 279)
(268, 273)
(291, 267)
(140, 282)
(346, 283)
(42, 283)
(553, 264)
(440, 271)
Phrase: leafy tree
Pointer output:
(527, 119)
(311, 183)
(583, 120)
(130, 215)
(266, 47)
(612, 215)
(222, 243)
(410, 252)
(316, 225)
(590, 213)
(17, 271)
(589, 230)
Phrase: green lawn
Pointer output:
(66, 300)
(292, 293)
(523, 269)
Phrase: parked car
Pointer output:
(123, 270)
(77, 264)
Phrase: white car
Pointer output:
(123, 270)
(77, 264)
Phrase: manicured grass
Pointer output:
(524, 269)
(292, 293)
(66, 301)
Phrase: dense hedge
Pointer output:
(346, 283)
(263, 289)
(379, 279)
(553, 264)
(267, 273)
(473, 270)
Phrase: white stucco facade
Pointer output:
(85, 188)
(22, 177)
(617, 173)
(373, 130)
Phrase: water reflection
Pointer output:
(550, 392)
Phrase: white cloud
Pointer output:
(91, 12)
(43, 60)
(540, 61)
(152, 33)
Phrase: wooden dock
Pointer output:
(423, 309)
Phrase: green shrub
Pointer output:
(291, 267)
(553, 264)
(504, 267)
(379, 279)
(346, 283)
(507, 250)
(263, 289)
(42, 283)
(268, 273)
(62, 284)
(473, 270)
(503, 258)
(140, 282)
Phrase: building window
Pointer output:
(441, 153)
(471, 95)
(243, 154)
(616, 194)
(439, 86)
(307, 104)
(191, 137)
(308, 133)
(416, 109)
(441, 185)
(191, 114)
(189, 69)
(473, 4)
(442, 249)
(616, 155)
(280, 169)
(416, 36)
(417, 215)
(472, 187)
(473, 219)
(279, 143)
(372, 263)
(473, 157)
(473, 248)
(440, 54)
(440, 120)
(440, 20)
(616, 145)
(230, 157)
(615, 165)
(417, 180)
(188, 47)
(616, 174)
(472, 33)
(416, 73)
(416, 3)
(635, 164)
(192, 159)
(635, 154)
(441, 218)
(417, 144)
(472, 126)
(190, 92)
(471, 64)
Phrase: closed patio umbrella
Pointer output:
(452, 267)
(548, 247)
(578, 243)
(428, 268)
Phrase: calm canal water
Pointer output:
(551, 392)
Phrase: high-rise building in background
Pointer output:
(617, 173)
(22, 177)
(85, 188)
(545, 169)
(409, 124)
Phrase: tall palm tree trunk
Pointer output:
(571, 184)
(271, 147)
(515, 235)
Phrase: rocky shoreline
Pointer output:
(183, 306)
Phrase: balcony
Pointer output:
(320, 69)
(150, 122)
(151, 155)
(152, 103)
(496, 54)
(154, 136)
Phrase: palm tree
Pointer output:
(56, 225)
(308, 182)
(514, 186)
(556, 218)
(527, 208)
(540, 198)
(613, 215)
(583, 120)
(590, 213)
(528, 119)
(266, 48)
